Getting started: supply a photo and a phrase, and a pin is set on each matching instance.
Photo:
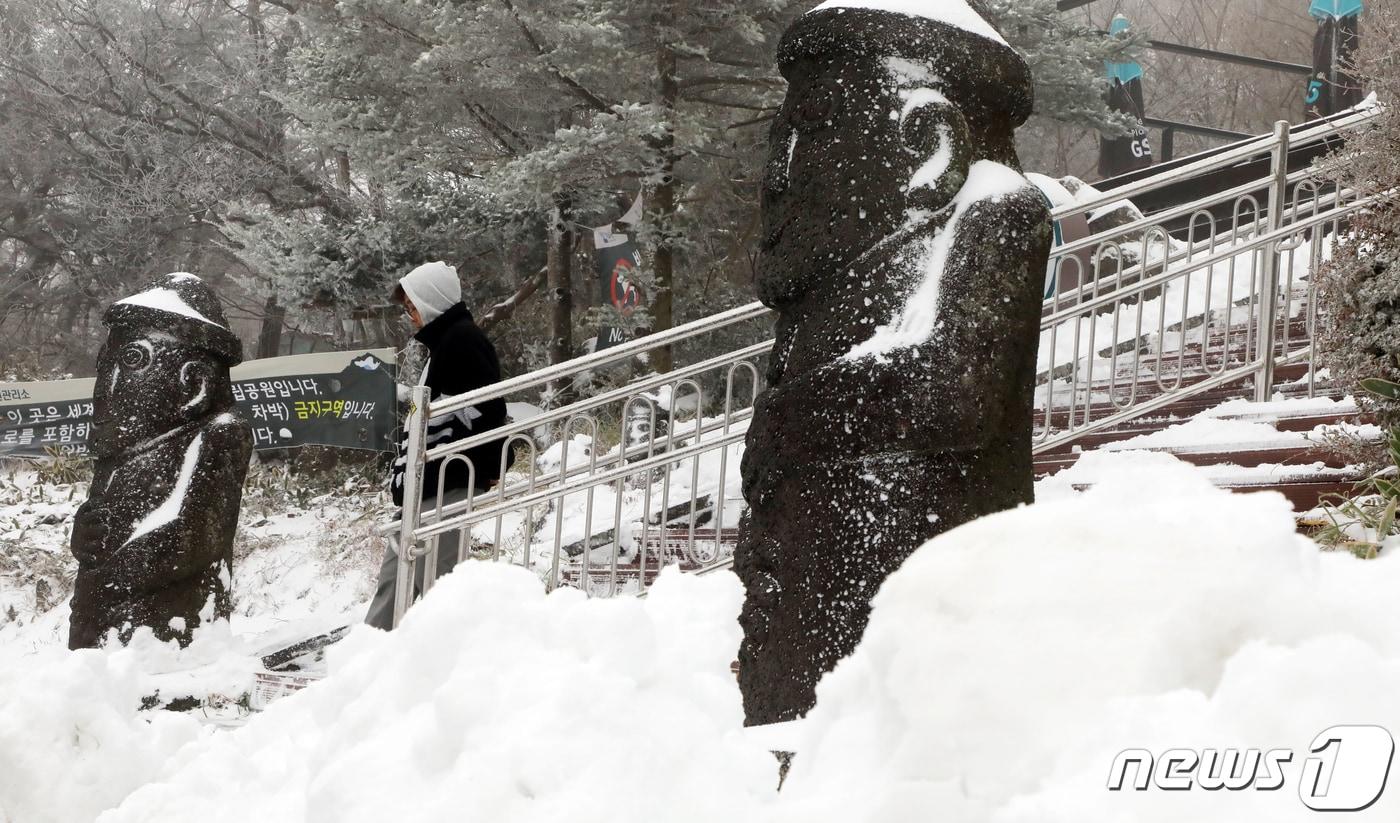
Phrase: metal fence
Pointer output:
(1206, 295)
(605, 490)
(610, 489)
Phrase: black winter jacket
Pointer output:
(462, 359)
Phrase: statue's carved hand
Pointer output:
(89, 535)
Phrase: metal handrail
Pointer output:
(1253, 148)
(564, 412)
(548, 480)
(1222, 256)
(475, 516)
(1160, 218)
(1155, 404)
(1144, 223)
(616, 354)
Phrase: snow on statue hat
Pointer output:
(985, 78)
(184, 306)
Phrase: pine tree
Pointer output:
(1067, 61)
(124, 128)
(525, 115)
(329, 145)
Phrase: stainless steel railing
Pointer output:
(1163, 315)
(606, 489)
(609, 489)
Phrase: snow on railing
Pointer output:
(607, 490)
(1197, 297)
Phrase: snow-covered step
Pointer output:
(1276, 446)
(1303, 484)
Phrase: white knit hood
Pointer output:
(433, 288)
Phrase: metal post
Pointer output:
(412, 499)
(1268, 286)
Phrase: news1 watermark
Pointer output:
(1344, 770)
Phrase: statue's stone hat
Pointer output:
(985, 78)
(184, 306)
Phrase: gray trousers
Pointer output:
(381, 608)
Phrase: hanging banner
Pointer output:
(1332, 87)
(345, 399)
(1120, 155)
(617, 261)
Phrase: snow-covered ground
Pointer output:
(1005, 666)
(302, 564)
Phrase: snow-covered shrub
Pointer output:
(1362, 521)
(1359, 292)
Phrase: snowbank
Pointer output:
(73, 740)
(1009, 661)
(1005, 665)
(493, 702)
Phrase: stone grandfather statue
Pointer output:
(154, 539)
(906, 257)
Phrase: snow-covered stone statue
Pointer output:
(906, 258)
(154, 539)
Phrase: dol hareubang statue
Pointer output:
(906, 258)
(154, 539)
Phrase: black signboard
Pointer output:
(38, 418)
(1333, 86)
(1119, 155)
(345, 399)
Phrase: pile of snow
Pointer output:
(1009, 661)
(1005, 666)
(1100, 465)
(73, 741)
(494, 701)
(1210, 431)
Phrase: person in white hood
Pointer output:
(428, 292)
(460, 359)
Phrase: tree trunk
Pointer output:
(505, 309)
(663, 206)
(270, 336)
(342, 170)
(559, 277)
(254, 12)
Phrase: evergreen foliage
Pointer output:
(313, 150)
(1358, 325)
(1067, 61)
